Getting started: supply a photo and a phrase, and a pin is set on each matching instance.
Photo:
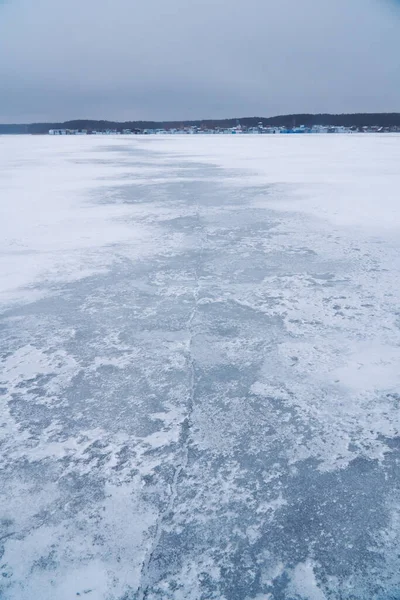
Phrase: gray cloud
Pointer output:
(170, 59)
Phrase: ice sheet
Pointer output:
(200, 359)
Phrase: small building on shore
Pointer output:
(67, 131)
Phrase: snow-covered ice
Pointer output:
(200, 367)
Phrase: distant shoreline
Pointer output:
(354, 121)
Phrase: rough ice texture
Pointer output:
(200, 379)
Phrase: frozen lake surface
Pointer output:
(200, 378)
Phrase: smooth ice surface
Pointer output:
(200, 378)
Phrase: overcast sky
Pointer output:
(183, 59)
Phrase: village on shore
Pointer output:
(238, 129)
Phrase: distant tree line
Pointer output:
(357, 120)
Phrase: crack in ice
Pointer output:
(185, 436)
